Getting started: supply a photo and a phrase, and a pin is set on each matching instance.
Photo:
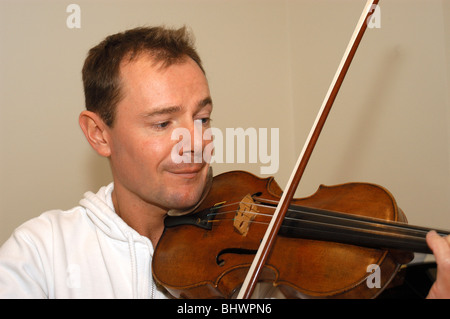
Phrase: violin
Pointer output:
(322, 250)
(248, 230)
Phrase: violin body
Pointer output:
(207, 253)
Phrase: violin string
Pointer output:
(366, 219)
(369, 223)
(295, 208)
(389, 227)
(286, 218)
(316, 230)
(303, 221)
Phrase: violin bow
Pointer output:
(266, 245)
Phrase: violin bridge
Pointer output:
(244, 215)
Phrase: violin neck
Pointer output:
(317, 224)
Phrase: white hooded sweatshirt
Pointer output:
(85, 252)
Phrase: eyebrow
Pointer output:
(163, 110)
(205, 102)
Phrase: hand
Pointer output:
(441, 250)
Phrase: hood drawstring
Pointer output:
(133, 260)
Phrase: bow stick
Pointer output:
(265, 247)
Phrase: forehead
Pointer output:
(143, 77)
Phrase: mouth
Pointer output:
(187, 172)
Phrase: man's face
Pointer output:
(156, 101)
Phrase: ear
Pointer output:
(96, 132)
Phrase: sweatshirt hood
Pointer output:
(100, 210)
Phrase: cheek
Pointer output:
(155, 151)
(139, 155)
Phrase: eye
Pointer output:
(161, 125)
(205, 121)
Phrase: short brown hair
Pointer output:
(101, 70)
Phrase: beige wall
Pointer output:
(269, 64)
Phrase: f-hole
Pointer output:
(239, 251)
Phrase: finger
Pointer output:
(439, 245)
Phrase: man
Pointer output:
(141, 86)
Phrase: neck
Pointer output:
(146, 219)
(320, 224)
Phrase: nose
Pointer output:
(190, 142)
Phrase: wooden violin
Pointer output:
(323, 249)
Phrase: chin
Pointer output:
(186, 192)
(188, 200)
